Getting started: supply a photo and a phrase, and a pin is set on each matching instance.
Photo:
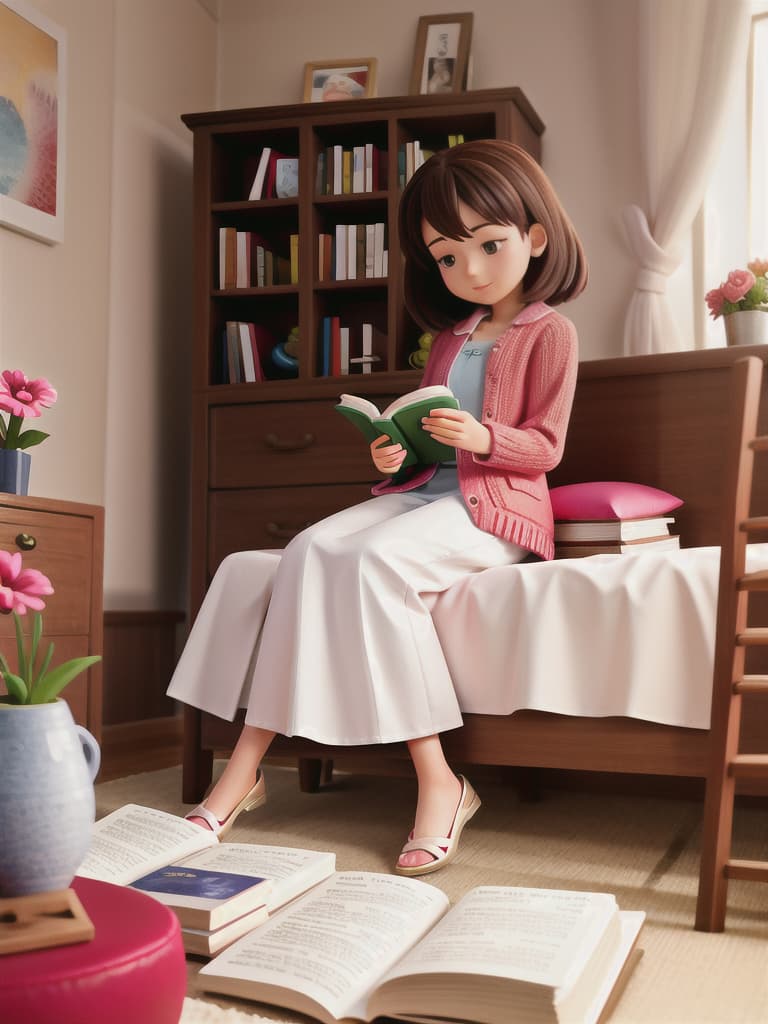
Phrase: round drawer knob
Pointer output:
(25, 541)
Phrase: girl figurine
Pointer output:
(332, 638)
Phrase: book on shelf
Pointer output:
(668, 542)
(401, 422)
(235, 368)
(286, 177)
(227, 258)
(607, 530)
(207, 884)
(361, 946)
(257, 186)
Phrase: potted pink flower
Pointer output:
(47, 782)
(22, 399)
(742, 300)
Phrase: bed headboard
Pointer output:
(663, 420)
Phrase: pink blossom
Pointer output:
(714, 300)
(21, 588)
(23, 397)
(738, 284)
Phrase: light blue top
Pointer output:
(467, 381)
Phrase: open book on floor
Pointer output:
(362, 946)
(401, 421)
(206, 883)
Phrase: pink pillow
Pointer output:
(610, 499)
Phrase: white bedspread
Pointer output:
(607, 635)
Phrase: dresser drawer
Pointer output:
(63, 550)
(248, 520)
(272, 444)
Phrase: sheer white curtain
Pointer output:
(690, 52)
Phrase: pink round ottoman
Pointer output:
(132, 972)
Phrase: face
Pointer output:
(488, 267)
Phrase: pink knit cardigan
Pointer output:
(529, 384)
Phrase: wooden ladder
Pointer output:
(732, 640)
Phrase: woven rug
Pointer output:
(642, 849)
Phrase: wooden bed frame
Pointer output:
(672, 421)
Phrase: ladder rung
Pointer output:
(749, 766)
(749, 870)
(753, 581)
(754, 523)
(759, 444)
(751, 684)
(753, 637)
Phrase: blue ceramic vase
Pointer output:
(47, 804)
(14, 470)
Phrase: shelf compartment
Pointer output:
(235, 158)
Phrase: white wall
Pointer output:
(165, 65)
(574, 59)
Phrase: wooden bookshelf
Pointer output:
(272, 456)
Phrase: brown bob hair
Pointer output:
(505, 185)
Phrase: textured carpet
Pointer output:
(642, 849)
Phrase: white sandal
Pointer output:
(255, 797)
(442, 848)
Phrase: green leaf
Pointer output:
(3, 428)
(22, 656)
(37, 632)
(17, 688)
(51, 685)
(44, 666)
(30, 438)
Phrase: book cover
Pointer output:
(335, 346)
(271, 175)
(401, 421)
(287, 177)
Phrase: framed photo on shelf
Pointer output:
(33, 69)
(326, 80)
(441, 56)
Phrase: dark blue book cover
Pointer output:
(180, 881)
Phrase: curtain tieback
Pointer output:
(651, 281)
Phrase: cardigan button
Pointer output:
(472, 500)
(488, 414)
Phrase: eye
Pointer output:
(446, 261)
(492, 247)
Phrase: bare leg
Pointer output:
(439, 794)
(239, 774)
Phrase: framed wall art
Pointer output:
(326, 80)
(441, 56)
(33, 66)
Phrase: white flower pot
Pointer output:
(747, 327)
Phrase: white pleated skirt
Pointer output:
(332, 638)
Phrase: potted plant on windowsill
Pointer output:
(47, 804)
(21, 398)
(742, 300)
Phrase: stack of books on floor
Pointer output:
(576, 539)
(218, 891)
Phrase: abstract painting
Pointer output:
(32, 118)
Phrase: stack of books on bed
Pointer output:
(575, 539)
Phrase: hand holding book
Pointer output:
(459, 429)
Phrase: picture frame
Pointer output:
(441, 54)
(33, 95)
(328, 80)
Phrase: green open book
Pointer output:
(401, 422)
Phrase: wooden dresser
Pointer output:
(64, 540)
